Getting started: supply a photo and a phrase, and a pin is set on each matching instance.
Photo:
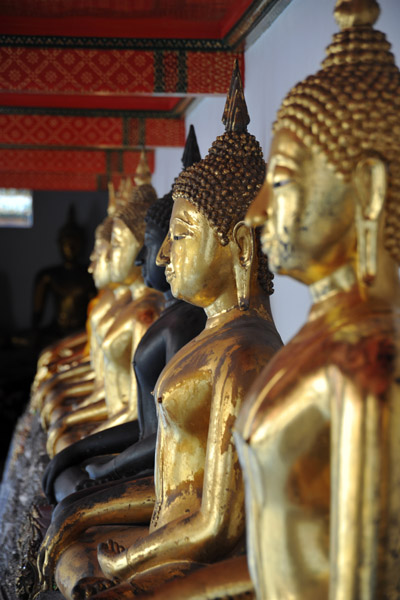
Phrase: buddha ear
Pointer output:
(370, 180)
(243, 248)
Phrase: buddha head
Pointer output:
(128, 229)
(157, 224)
(100, 257)
(71, 238)
(210, 251)
(332, 189)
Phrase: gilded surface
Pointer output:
(318, 435)
(211, 260)
(198, 515)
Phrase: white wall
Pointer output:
(168, 165)
(287, 52)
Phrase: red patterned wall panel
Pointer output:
(56, 161)
(211, 70)
(165, 132)
(170, 72)
(58, 70)
(92, 132)
(54, 130)
(67, 170)
(133, 132)
(49, 181)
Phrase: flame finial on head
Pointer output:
(143, 173)
(235, 117)
(159, 212)
(191, 153)
(224, 183)
(112, 199)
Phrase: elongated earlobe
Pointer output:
(371, 183)
(243, 237)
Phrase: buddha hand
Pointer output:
(44, 569)
(59, 535)
(89, 587)
(98, 469)
(113, 560)
(55, 432)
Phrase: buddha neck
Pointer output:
(342, 287)
(133, 283)
(138, 288)
(119, 290)
(169, 299)
(259, 307)
(70, 263)
(342, 280)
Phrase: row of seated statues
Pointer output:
(193, 456)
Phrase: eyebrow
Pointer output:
(282, 160)
(182, 220)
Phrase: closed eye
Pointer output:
(278, 184)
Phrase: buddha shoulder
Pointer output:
(238, 349)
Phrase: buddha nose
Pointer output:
(140, 258)
(164, 252)
(257, 212)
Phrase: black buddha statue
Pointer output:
(132, 445)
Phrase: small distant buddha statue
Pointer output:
(212, 260)
(133, 444)
(69, 285)
(318, 435)
(124, 332)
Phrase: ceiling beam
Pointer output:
(115, 72)
(67, 169)
(19, 128)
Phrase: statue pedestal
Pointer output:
(19, 490)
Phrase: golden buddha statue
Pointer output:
(119, 404)
(111, 299)
(59, 367)
(131, 446)
(318, 435)
(65, 352)
(212, 260)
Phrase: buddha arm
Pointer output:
(44, 387)
(132, 460)
(112, 440)
(365, 492)
(63, 349)
(213, 529)
(117, 348)
(89, 414)
(78, 392)
(105, 507)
